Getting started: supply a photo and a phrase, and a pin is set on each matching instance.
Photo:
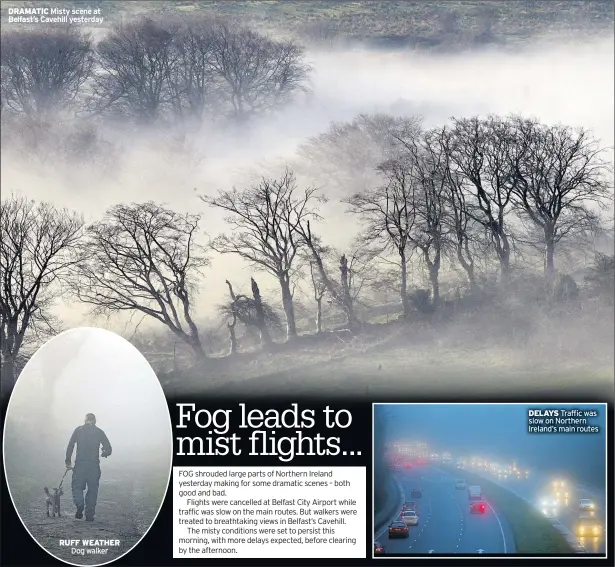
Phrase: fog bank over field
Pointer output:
(572, 84)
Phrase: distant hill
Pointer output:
(436, 25)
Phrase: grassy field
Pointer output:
(532, 532)
(435, 25)
(128, 503)
(398, 359)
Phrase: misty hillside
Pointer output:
(243, 201)
(434, 25)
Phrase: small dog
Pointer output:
(53, 501)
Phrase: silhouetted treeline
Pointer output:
(481, 198)
(150, 71)
(478, 197)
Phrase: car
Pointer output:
(560, 490)
(398, 529)
(549, 507)
(379, 548)
(409, 505)
(475, 492)
(410, 517)
(460, 484)
(416, 493)
(587, 505)
(588, 526)
(478, 507)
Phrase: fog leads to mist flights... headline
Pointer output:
(264, 439)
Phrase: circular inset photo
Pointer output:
(88, 446)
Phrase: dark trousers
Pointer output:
(86, 474)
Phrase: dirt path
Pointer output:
(124, 512)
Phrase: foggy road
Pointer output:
(538, 488)
(445, 522)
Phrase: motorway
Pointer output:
(538, 487)
(445, 523)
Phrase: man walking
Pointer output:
(86, 472)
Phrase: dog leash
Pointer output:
(65, 473)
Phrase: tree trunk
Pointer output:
(468, 265)
(434, 275)
(289, 308)
(347, 306)
(319, 315)
(12, 340)
(435, 286)
(504, 272)
(197, 347)
(233, 337)
(7, 376)
(260, 315)
(347, 301)
(403, 291)
(504, 255)
(549, 259)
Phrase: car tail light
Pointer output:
(482, 507)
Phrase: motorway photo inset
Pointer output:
(490, 479)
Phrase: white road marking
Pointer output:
(500, 523)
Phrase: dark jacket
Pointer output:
(88, 439)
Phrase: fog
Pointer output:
(499, 432)
(81, 371)
(571, 83)
(89, 371)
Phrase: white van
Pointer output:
(475, 493)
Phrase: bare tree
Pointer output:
(36, 251)
(479, 152)
(136, 61)
(461, 227)
(601, 277)
(356, 271)
(383, 286)
(319, 254)
(143, 257)
(231, 312)
(259, 73)
(348, 154)
(193, 81)
(250, 311)
(265, 220)
(44, 71)
(430, 232)
(389, 214)
(562, 181)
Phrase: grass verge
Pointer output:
(532, 532)
(392, 505)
